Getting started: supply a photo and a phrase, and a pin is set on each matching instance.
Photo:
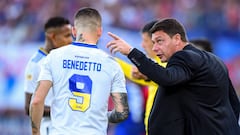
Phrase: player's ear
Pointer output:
(52, 36)
(74, 32)
(49, 35)
(99, 31)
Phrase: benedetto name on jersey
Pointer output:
(82, 65)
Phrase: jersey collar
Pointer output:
(42, 51)
(84, 45)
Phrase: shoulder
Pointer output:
(35, 60)
(105, 56)
(37, 57)
(59, 50)
(190, 50)
(189, 55)
(111, 61)
(58, 53)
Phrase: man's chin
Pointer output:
(163, 60)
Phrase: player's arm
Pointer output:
(31, 74)
(28, 97)
(37, 105)
(121, 109)
(46, 111)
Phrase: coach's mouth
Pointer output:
(160, 55)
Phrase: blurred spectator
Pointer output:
(21, 19)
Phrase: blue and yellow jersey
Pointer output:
(32, 70)
(83, 78)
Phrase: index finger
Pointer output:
(113, 36)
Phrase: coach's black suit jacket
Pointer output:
(196, 95)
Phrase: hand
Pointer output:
(118, 45)
(138, 75)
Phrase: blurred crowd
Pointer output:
(22, 21)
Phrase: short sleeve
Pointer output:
(30, 77)
(45, 73)
(119, 82)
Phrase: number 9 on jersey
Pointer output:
(81, 88)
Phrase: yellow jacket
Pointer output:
(152, 87)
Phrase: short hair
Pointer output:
(87, 17)
(55, 22)
(147, 27)
(171, 27)
(202, 43)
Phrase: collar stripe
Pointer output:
(42, 51)
(84, 45)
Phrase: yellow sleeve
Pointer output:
(127, 69)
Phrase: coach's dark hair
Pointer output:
(56, 22)
(171, 27)
(147, 27)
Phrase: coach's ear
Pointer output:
(74, 32)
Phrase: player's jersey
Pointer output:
(83, 77)
(32, 72)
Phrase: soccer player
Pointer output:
(57, 34)
(82, 77)
(132, 73)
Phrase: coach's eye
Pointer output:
(159, 41)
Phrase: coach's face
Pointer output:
(164, 45)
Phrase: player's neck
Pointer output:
(87, 41)
(48, 47)
(87, 38)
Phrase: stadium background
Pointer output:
(21, 33)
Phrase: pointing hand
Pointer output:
(118, 45)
